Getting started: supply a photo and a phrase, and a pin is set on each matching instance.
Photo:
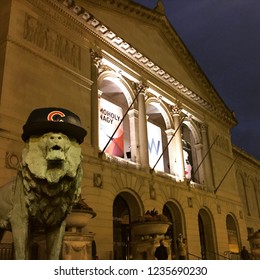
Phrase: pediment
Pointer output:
(152, 36)
(149, 39)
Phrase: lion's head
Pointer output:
(52, 156)
(51, 170)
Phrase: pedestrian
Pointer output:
(161, 252)
(179, 240)
(244, 255)
(183, 249)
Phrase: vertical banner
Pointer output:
(187, 156)
(187, 165)
(110, 116)
(155, 146)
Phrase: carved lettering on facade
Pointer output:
(52, 42)
(222, 142)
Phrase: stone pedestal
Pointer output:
(77, 246)
(146, 238)
(255, 241)
(144, 248)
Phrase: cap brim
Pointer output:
(40, 128)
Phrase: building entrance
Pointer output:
(206, 236)
(121, 229)
(125, 210)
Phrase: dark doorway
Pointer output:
(121, 226)
(206, 236)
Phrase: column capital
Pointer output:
(96, 58)
(141, 86)
(175, 110)
(203, 127)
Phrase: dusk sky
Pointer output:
(223, 37)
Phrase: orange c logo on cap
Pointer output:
(51, 115)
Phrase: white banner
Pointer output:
(110, 116)
(155, 146)
(187, 165)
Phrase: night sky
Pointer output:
(224, 38)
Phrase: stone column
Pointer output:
(142, 121)
(95, 64)
(179, 159)
(207, 161)
(134, 136)
(171, 150)
(200, 173)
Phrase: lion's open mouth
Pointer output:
(56, 148)
(55, 153)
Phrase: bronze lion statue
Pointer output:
(47, 183)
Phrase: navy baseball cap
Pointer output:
(52, 119)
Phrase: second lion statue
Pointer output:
(48, 180)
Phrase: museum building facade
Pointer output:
(158, 132)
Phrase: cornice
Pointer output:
(87, 21)
(244, 155)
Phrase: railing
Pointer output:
(217, 256)
(194, 256)
(232, 256)
(6, 251)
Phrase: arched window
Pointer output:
(172, 211)
(126, 209)
(206, 232)
(190, 154)
(114, 126)
(232, 234)
(157, 124)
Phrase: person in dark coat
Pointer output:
(161, 252)
(244, 254)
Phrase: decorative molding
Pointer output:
(97, 180)
(12, 160)
(241, 154)
(74, 247)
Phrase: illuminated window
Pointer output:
(157, 139)
(114, 131)
(190, 154)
